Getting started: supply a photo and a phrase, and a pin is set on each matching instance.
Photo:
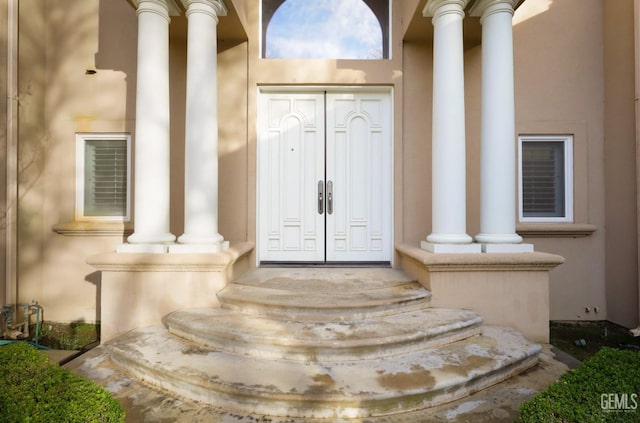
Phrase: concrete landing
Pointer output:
(324, 294)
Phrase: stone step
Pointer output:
(377, 337)
(335, 301)
(350, 389)
(323, 279)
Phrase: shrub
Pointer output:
(65, 336)
(33, 389)
(604, 388)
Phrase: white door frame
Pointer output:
(260, 241)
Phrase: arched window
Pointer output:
(328, 29)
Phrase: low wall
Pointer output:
(506, 289)
(139, 289)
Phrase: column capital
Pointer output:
(165, 8)
(213, 8)
(435, 8)
(484, 8)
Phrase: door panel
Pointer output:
(291, 151)
(359, 167)
(351, 163)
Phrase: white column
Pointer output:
(151, 167)
(448, 131)
(201, 138)
(498, 144)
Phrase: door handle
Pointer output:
(320, 197)
(330, 197)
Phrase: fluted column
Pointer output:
(498, 145)
(448, 131)
(151, 166)
(201, 138)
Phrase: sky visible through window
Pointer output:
(324, 29)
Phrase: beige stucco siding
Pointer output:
(620, 161)
(574, 69)
(59, 42)
(3, 146)
(560, 89)
(416, 154)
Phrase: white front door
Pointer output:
(324, 176)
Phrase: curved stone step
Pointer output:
(377, 337)
(324, 279)
(341, 303)
(351, 389)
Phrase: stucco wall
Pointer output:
(3, 147)
(324, 73)
(59, 42)
(34, 146)
(566, 82)
(560, 89)
(620, 163)
(416, 154)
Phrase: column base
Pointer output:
(434, 247)
(138, 238)
(198, 248)
(142, 248)
(507, 248)
(507, 238)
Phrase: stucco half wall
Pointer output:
(506, 289)
(139, 289)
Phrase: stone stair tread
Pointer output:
(326, 390)
(275, 301)
(377, 336)
(319, 280)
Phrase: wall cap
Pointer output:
(93, 228)
(485, 262)
(149, 262)
(555, 230)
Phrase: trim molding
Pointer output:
(555, 230)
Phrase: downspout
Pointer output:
(11, 218)
(636, 42)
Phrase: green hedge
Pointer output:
(33, 389)
(604, 388)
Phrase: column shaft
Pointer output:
(201, 137)
(448, 131)
(151, 200)
(498, 146)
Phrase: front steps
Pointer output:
(323, 343)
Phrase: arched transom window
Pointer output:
(325, 29)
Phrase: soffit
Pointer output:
(230, 29)
(420, 30)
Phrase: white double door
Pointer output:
(324, 176)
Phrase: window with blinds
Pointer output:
(103, 176)
(545, 178)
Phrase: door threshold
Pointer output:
(339, 264)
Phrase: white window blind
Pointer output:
(103, 176)
(543, 179)
(546, 177)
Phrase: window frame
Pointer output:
(267, 13)
(81, 142)
(567, 142)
